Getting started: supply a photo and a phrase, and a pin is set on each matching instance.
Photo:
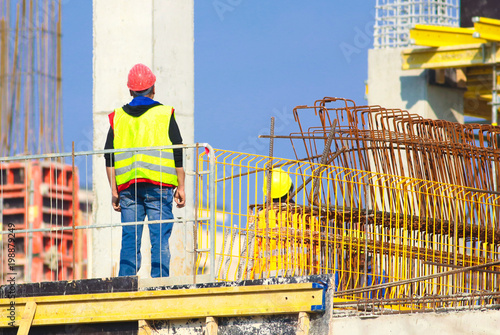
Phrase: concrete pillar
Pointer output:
(391, 87)
(160, 34)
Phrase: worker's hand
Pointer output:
(115, 201)
(180, 197)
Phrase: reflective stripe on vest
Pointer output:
(149, 129)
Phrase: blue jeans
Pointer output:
(136, 202)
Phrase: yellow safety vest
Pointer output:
(148, 130)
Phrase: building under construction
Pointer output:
(30, 77)
(391, 225)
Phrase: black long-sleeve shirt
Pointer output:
(137, 110)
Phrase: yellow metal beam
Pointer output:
(171, 304)
(479, 71)
(477, 108)
(486, 96)
(478, 92)
(485, 28)
(449, 57)
(439, 36)
(479, 82)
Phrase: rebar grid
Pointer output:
(366, 228)
(394, 18)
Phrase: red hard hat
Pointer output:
(140, 78)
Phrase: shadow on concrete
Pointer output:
(412, 89)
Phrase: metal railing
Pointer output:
(384, 239)
(364, 228)
(48, 222)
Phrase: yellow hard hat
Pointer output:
(280, 183)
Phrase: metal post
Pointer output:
(31, 201)
(367, 200)
(494, 106)
(73, 212)
(323, 161)
(211, 200)
(269, 203)
(494, 99)
(196, 204)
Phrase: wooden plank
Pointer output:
(144, 328)
(303, 324)
(27, 319)
(211, 326)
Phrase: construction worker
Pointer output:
(281, 186)
(355, 274)
(374, 277)
(294, 246)
(144, 183)
(280, 257)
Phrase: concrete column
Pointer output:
(391, 87)
(160, 34)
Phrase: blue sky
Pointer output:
(253, 60)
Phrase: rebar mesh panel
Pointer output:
(394, 18)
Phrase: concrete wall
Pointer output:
(391, 87)
(450, 323)
(160, 34)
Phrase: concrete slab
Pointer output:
(452, 323)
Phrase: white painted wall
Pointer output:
(160, 34)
